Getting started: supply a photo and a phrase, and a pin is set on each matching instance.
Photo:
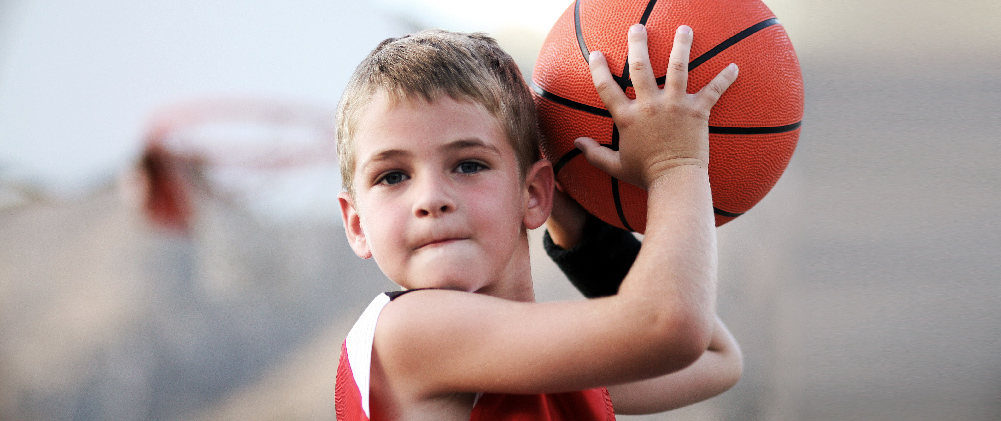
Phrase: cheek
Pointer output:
(379, 224)
(499, 211)
(384, 241)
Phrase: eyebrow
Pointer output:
(387, 155)
(469, 143)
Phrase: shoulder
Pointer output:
(430, 340)
(413, 312)
(422, 316)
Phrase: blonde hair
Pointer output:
(431, 63)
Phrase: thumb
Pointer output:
(601, 157)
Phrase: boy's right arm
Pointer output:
(663, 318)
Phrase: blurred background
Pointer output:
(170, 246)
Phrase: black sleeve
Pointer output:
(598, 264)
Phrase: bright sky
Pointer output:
(519, 26)
(494, 15)
(489, 16)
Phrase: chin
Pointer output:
(456, 271)
(457, 279)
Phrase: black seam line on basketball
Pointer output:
(618, 204)
(729, 42)
(647, 12)
(570, 103)
(565, 159)
(580, 32)
(755, 130)
(719, 48)
(615, 137)
(722, 212)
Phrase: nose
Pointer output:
(434, 197)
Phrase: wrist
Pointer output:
(680, 172)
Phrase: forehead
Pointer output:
(411, 124)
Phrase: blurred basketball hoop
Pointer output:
(276, 160)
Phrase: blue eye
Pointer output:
(393, 178)
(470, 167)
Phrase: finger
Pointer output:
(640, 71)
(609, 91)
(677, 64)
(711, 93)
(601, 157)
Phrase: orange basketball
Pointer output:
(753, 129)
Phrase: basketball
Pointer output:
(753, 128)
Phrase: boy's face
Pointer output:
(439, 200)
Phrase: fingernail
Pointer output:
(684, 29)
(733, 66)
(594, 55)
(637, 28)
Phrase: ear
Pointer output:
(539, 184)
(352, 226)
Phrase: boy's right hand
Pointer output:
(662, 128)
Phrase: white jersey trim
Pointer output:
(359, 347)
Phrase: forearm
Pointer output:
(674, 276)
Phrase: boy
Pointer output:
(440, 159)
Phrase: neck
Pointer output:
(516, 282)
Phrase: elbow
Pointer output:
(727, 357)
(693, 344)
(682, 339)
(736, 366)
(734, 370)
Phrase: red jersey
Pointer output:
(351, 395)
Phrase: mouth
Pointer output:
(439, 242)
